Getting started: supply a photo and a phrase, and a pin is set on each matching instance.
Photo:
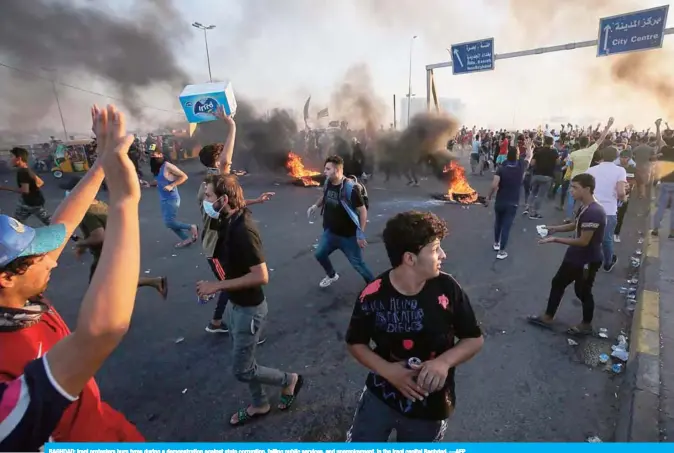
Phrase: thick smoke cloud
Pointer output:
(131, 54)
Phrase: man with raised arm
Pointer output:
(46, 370)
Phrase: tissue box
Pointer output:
(201, 101)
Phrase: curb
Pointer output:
(640, 393)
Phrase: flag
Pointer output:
(323, 113)
(306, 111)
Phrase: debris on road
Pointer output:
(617, 368)
(603, 332)
(603, 358)
(571, 342)
(184, 391)
(179, 340)
(594, 440)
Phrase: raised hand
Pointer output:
(114, 143)
(220, 113)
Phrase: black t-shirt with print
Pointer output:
(34, 196)
(335, 217)
(422, 326)
(239, 248)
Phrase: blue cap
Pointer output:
(17, 239)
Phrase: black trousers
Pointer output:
(583, 279)
(622, 210)
(219, 273)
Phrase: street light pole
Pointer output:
(58, 103)
(409, 90)
(205, 28)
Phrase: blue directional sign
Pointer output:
(641, 30)
(473, 56)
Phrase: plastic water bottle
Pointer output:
(203, 300)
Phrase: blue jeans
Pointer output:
(607, 243)
(539, 188)
(245, 325)
(568, 208)
(169, 212)
(665, 196)
(505, 215)
(330, 242)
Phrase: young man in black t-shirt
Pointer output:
(583, 256)
(344, 222)
(239, 252)
(32, 201)
(543, 166)
(412, 313)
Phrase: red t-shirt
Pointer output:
(504, 147)
(86, 420)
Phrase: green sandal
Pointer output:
(286, 401)
(244, 417)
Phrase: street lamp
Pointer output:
(52, 79)
(409, 90)
(205, 28)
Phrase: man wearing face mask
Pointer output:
(238, 251)
(93, 227)
(217, 159)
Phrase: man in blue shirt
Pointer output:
(507, 183)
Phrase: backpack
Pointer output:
(348, 185)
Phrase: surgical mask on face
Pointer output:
(210, 210)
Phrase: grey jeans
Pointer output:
(540, 185)
(245, 325)
(665, 196)
(374, 421)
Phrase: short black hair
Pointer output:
(410, 232)
(549, 141)
(336, 160)
(512, 154)
(209, 154)
(584, 141)
(585, 180)
(609, 154)
(21, 153)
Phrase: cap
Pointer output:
(17, 239)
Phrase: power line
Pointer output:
(84, 90)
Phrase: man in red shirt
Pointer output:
(30, 326)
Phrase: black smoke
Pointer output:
(131, 53)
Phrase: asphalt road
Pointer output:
(526, 385)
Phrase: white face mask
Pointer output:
(210, 210)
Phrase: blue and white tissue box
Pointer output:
(201, 101)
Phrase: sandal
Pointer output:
(243, 416)
(576, 330)
(163, 287)
(185, 243)
(286, 401)
(538, 321)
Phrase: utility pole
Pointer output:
(205, 28)
(409, 85)
(58, 103)
(395, 114)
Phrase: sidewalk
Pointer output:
(647, 413)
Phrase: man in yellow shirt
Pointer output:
(579, 162)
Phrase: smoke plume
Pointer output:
(132, 55)
(355, 100)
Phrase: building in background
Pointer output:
(452, 106)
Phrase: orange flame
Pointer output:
(459, 189)
(296, 170)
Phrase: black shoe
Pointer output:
(610, 267)
(654, 233)
(535, 216)
(212, 328)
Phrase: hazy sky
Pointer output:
(277, 52)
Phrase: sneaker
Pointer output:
(526, 211)
(497, 246)
(212, 328)
(501, 255)
(654, 233)
(610, 267)
(327, 281)
(535, 216)
(616, 238)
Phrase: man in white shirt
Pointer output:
(610, 187)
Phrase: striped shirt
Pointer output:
(30, 408)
